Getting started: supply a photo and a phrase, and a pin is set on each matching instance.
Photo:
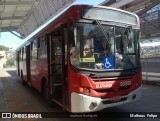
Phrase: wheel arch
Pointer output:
(43, 80)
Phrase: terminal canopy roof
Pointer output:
(25, 16)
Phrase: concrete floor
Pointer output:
(17, 98)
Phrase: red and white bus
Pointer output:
(87, 59)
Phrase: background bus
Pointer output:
(85, 60)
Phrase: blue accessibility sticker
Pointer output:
(108, 63)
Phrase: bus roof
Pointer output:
(69, 13)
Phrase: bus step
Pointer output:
(57, 84)
(57, 91)
(58, 101)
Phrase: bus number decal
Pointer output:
(125, 83)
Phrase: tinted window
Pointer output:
(42, 50)
(34, 50)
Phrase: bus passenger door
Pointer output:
(28, 63)
(57, 66)
(17, 62)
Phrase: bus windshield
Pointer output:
(93, 50)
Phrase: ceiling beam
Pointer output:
(10, 28)
(12, 17)
(18, 2)
(16, 34)
(121, 3)
(107, 2)
(154, 3)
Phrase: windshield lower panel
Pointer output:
(110, 49)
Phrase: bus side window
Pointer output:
(20, 54)
(42, 48)
(24, 53)
(34, 49)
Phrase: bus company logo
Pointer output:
(103, 85)
(6, 115)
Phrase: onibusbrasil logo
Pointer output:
(21, 115)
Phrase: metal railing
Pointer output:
(151, 68)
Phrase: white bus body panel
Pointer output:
(84, 103)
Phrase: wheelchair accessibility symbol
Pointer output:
(108, 63)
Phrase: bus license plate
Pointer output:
(115, 98)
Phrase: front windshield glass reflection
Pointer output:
(92, 49)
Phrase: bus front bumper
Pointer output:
(84, 103)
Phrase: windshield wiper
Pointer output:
(104, 32)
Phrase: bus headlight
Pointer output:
(85, 91)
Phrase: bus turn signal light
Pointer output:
(81, 90)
